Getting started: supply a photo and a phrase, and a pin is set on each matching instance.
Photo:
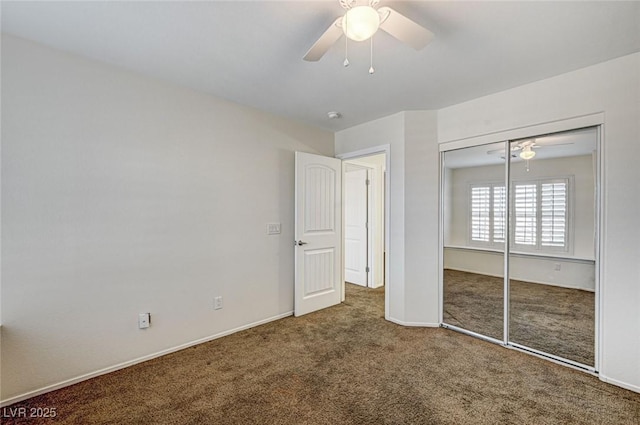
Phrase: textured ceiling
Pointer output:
(251, 52)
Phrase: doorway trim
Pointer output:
(375, 150)
(375, 217)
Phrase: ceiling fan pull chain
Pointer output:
(371, 70)
(346, 45)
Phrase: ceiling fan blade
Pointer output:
(550, 145)
(495, 151)
(514, 148)
(404, 29)
(326, 40)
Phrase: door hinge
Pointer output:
(367, 269)
(367, 182)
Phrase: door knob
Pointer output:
(300, 243)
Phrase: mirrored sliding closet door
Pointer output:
(552, 271)
(474, 231)
(520, 220)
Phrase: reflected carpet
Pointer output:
(559, 321)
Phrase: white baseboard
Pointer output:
(626, 386)
(123, 365)
(414, 324)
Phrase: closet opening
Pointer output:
(520, 243)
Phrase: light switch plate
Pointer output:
(273, 228)
(217, 303)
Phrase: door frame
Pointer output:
(375, 196)
(593, 120)
(354, 155)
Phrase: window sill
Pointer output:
(558, 256)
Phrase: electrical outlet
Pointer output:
(144, 320)
(217, 303)
(557, 267)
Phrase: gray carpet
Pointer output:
(343, 365)
(555, 320)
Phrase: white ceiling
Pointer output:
(251, 52)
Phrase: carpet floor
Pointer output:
(559, 321)
(343, 365)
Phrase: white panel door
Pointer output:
(318, 233)
(355, 226)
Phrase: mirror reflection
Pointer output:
(552, 245)
(551, 232)
(474, 230)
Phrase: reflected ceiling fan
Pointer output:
(526, 149)
(361, 21)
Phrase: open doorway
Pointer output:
(364, 222)
(319, 229)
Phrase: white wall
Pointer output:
(611, 88)
(421, 213)
(123, 194)
(413, 256)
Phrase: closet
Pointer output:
(520, 243)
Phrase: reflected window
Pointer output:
(540, 213)
(488, 214)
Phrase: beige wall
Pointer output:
(123, 194)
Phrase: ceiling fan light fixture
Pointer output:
(527, 153)
(360, 23)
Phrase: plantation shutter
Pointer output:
(480, 213)
(553, 207)
(499, 213)
(525, 211)
(540, 215)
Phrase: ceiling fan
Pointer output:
(525, 149)
(361, 21)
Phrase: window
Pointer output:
(553, 210)
(539, 215)
(480, 213)
(488, 214)
(525, 207)
(499, 214)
